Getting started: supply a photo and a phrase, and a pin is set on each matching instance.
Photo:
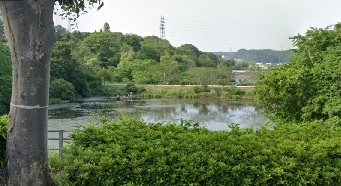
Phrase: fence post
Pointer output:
(61, 136)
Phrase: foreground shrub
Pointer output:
(131, 152)
(3, 132)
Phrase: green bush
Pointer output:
(131, 152)
(205, 88)
(234, 91)
(3, 132)
(308, 88)
(132, 88)
(54, 101)
(62, 89)
(196, 90)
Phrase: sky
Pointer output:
(214, 25)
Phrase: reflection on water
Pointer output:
(212, 115)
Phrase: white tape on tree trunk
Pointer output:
(28, 107)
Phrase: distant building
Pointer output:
(263, 66)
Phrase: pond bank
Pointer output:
(202, 92)
(244, 93)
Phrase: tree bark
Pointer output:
(30, 33)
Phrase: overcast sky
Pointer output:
(215, 25)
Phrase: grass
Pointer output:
(203, 92)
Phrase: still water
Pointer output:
(213, 115)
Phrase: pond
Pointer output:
(213, 115)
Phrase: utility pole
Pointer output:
(164, 78)
(162, 27)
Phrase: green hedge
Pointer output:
(3, 132)
(131, 152)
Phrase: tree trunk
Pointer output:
(30, 33)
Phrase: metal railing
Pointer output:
(60, 138)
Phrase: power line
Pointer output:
(248, 24)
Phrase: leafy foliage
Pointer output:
(106, 27)
(62, 89)
(78, 7)
(65, 66)
(154, 48)
(202, 92)
(104, 46)
(5, 78)
(61, 34)
(309, 87)
(105, 75)
(131, 152)
(132, 88)
(4, 120)
(131, 58)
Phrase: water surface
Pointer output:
(214, 115)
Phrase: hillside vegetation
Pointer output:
(106, 56)
(259, 56)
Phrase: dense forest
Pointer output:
(259, 56)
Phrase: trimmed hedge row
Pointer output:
(131, 152)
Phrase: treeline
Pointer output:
(82, 61)
(259, 56)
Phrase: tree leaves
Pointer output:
(5, 78)
(72, 9)
(310, 85)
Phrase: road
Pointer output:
(147, 85)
